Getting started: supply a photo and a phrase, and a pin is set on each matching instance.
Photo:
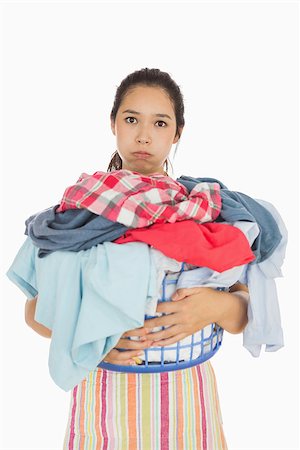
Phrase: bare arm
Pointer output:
(30, 306)
(233, 309)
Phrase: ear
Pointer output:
(177, 137)
(112, 126)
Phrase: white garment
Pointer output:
(162, 264)
(264, 321)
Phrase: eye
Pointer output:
(161, 121)
(130, 118)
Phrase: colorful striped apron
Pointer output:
(175, 410)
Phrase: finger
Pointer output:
(124, 358)
(166, 333)
(168, 307)
(136, 332)
(129, 362)
(169, 319)
(186, 292)
(116, 355)
(179, 295)
(128, 355)
(135, 345)
(171, 340)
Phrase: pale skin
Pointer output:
(191, 309)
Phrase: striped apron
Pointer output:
(175, 410)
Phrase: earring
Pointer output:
(167, 166)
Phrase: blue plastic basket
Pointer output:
(196, 349)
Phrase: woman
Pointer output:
(172, 410)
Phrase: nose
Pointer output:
(143, 140)
(143, 135)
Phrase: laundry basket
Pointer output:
(187, 352)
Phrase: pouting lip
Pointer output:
(141, 152)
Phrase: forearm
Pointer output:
(232, 310)
(30, 307)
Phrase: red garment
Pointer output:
(215, 245)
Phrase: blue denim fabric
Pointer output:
(238, 206)
(73, 230)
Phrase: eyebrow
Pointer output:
(156, 115)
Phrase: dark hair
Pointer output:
(148, 77)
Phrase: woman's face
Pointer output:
(145, 129)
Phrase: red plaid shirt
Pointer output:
(136, 200)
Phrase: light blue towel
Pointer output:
(88, 299)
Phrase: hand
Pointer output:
(191, 310)
(137, 347)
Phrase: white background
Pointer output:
(237, 66)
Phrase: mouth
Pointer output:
(142, 154)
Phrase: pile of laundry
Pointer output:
(97, 259)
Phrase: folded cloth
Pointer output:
(136, 200)
(239, 206)
(74, 230)
(218, 246)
